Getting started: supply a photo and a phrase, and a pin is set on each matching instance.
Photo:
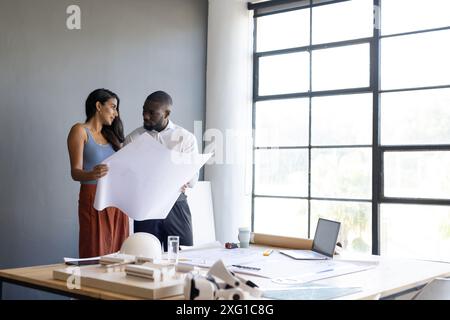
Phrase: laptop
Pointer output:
(323, 244)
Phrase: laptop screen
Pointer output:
(326, 236)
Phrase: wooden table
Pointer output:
(391, 278)
(41, 278)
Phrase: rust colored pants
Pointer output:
(101, 232)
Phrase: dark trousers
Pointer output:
(177, 223)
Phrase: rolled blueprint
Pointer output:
(280, 241)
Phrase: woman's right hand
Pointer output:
(99, 171)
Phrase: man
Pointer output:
(156, 112)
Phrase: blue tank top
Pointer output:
(94, 154)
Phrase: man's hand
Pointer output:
(183, 188)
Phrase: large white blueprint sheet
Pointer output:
(207, 257)
(279, 268)
(145, 177)
(284, 271)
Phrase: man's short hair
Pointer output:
(159, 97)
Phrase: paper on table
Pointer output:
(67, 259)
(211, 245)
(145, 177)
(337, 268)
(288, 272)
(207, 257)
(82, 261)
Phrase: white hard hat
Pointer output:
(142, 244)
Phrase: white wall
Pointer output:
(228, 107)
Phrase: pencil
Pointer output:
(184, 259)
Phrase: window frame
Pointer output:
(378, 150)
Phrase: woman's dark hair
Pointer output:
(114, 132)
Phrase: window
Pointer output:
(401, 225)
(415, 60)
(341, 67)
(291, 216)
(350, 20)
(294, 26)
(282, 123)
(352, 122)
(286, 73)
(417, 174)
(333, 120)
(402, 16)
(415, 117)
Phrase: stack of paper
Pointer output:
(117, 258)
(82, 261)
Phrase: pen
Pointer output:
(267, 252)
(324, 270)
(246, 267)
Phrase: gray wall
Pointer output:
(132, 47)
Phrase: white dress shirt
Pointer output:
(174, 138)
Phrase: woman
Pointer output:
(89, 143)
